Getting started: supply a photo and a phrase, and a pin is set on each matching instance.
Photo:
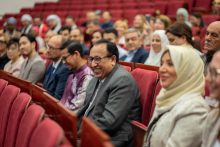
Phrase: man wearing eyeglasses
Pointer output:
(112, 96)
(57, 73)
(75, 88)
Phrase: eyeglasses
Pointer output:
(53, 48)
(96, 59)
(2, 41)
(65, 57)
(213, 72)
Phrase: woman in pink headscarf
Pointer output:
(35, 32)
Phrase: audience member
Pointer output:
(98, 15)
(96, 36)
(3, 51)
(76, 85)
(111, 34)
(14, 54)
(196, 20)
(33, 67)
(162, 22)
(57, 73)
(90, 15)
(112, 96)
(77, 35)
(212, 43)
(11, 30)
(107, 16)
(53, 22)
(27, 23)
(216, 7)
(35, 32)
(138, 22)
(121, 27)
(182, 16)
(211, 127)
(70, 21)
(48, 35)
(133, 41)
(92, 25)
(181, 34)
(38, 21)
(180, 107)
(158, 42)
(65, 32)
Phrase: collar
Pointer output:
(33, 57)
(132, 53)
(101, 81)
(57, 64)
(208, 57)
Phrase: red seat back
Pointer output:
(147, 67)
(162, 6)
(195, 31)
(203, 32)
(208, 19)
(146, 81)
(47, 134)
(173, 6)
(204, 4)
(127, 68)
(3, 84)
(7, 98)
(17, 110)
(130, 64)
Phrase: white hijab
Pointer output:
(154, 58)
(57, 19)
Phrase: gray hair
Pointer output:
(132, 30)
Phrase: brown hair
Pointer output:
(180, 29)
(143, 19)
(166, 20)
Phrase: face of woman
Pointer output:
(194, 21)
(174, 40)
(181, 17)
(156, 43)
(96, 37)
(13, 51)
(47, 37)
(138, 22)
(167, 71)
(121, 30)
(159, 25)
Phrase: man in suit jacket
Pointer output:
(57, 73)
(133, 42)
(112, 96)
(33, 67)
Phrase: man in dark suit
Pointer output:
(57, 73)
(112, 96)
(133, 42)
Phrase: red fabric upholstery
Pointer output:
(147, 11)
(17, 110)
(144, 5)
(173, 6)
(195, 31)
(203, 32)
(161, 5)
(157, 90)
(129, 14)
(202, 42)
(130, 64)
(146, 81)
(210, 18)
(3, 84)
(116, 13)
(47, 134)
(6, 100)
(203, 5)
(128, 68)
(29, 122)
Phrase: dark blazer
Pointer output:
(3, 60)
(57, 83)
(117, 103)
(139, 57)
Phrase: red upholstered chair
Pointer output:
(114, 6)
(146, 81)
(208, 19)
(7, 98)
(139, 131)
(157, 90)
(127, 68)
(17, 110)
(147, 11)
(129, 14)
(147, 67)
(9, 15)
(129, 5)
(202, 5)
(202, 42)
(144, 5)
(203, 32)
(161, 5)
(130, 64)
(47, 134)
(173, 6)
(195, 31)
(116, 13)
(3, 84)
(88, 7)
(148, 48)
(30, 120)
(101, 6)
(92, 136)
(25, 10)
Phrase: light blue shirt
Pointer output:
(198, 52)
(130, 56)
(121, 51)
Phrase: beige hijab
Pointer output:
(189, 69)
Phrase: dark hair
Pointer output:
(66, 44)
(111, 48)
(30, 38)
(100, 31)
(76, 47)
(80, 31)
(38, 16)
(13, 41)
(111, 30)
(95, 22)
(65, 28)
(180, 29)
(71, 17)
(197, 15)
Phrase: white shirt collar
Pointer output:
(56, 65)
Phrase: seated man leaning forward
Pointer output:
(75, 88)
(112, 96)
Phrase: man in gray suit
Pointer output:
(33, 67)
(112, 96)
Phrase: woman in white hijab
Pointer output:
(54, 23)
(27, 23)
(180, 110)
(158, 42)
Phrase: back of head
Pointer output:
(76, 47)
(111, 30)
(65, 28)
(13, 41)
(125, 25)
(31, 39)
(166, 20)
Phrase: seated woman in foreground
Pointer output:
(180, 110)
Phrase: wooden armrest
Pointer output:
(139, 131)
(40, 84)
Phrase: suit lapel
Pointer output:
(48, 73)
(56, 70)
